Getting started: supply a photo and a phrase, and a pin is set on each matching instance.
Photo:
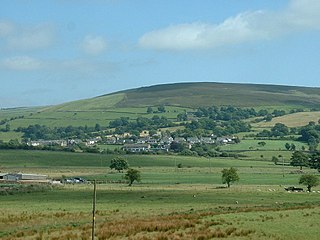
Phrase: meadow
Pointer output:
(169, 203)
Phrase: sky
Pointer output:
(57, 51)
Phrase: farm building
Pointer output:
(136, 147)
(23, 176)
(2, 175)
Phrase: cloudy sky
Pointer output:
(62, 50)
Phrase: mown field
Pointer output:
(292, 120)
(169, 203)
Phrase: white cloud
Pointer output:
(6, 28)
(21, 63)
(300, 15)
(94, 45)
(32, 38)
(25, 38)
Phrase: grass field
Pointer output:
(169, 203)
(292, 120)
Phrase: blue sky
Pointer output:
(57, 51)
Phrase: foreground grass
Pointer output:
(170, 202)
(148, 212)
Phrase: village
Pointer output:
(143, 143)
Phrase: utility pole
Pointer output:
(282, 166)
(94, 209)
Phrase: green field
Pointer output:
(292, 120)
(169, 203)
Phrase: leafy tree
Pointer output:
(314, 161)
(149, 110)
(292, 147)
(268, 118)
(132, 175)
(298, 158)
(275, 160)
(287, 146)
(309, 180)
(8, 127)
(262, 144)
(161, 109)
(229, 176)
(177, 147)
(119, 164)
(279, 130)
(182, 117)
(97, 127)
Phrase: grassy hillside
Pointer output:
(193, 95)
(177, 98)
(208, 94)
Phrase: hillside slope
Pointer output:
(177, 98)
(208, 94)
(193, 95)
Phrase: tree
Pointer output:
(149, 110)
(161, 109)
(132, 175)
(262, 144)
(279, 130)
(97, 127)
(309, 180)
(119, 164)
(287, 146)
(300, 159)
(275, 160)
(314, 161)
(268, 118)
(177, 147)
(229, 176)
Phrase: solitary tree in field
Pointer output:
(309, 180)
(262, 144)
(287, 146)
(149, 110)
(119, 164)
(314, 161)
(132, 175)
(300, 159)
(275, 160)
(229, 176)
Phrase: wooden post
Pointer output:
(282, 167)
(94, 209)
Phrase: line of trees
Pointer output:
(301, 159)
(123, 124)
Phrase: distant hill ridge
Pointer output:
(198, 94)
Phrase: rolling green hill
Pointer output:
(221, 94)
(176, 97)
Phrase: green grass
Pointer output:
(192, 193)
(7, 136)
(292, 120)
(251, 144)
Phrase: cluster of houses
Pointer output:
(144, 143)
(152, 144)
(64, 143)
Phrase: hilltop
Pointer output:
(193, 95)
(177, 98)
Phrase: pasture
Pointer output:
(169, 203)
(292, 120)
